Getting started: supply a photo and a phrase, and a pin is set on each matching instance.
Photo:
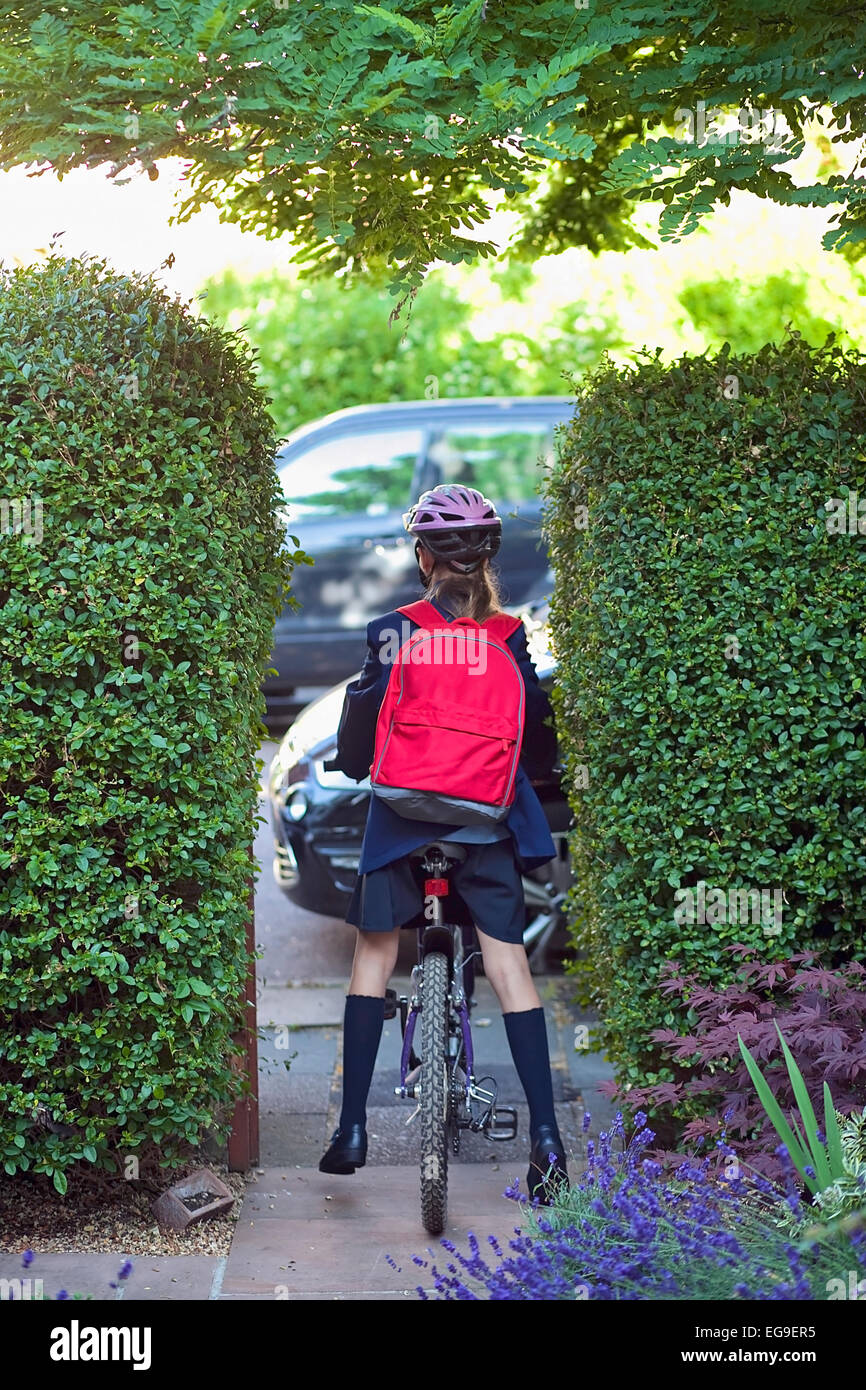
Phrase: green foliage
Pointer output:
(377, 135)
(141, 567)
(321, 345)
(710, 627)
(747, 316)
(805, 1150)
(848, 1193)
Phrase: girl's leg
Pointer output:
(375, 958)
(372, 968)
(507, 968)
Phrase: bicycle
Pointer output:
(442, 1079)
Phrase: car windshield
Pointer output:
(367, 474)
(502, 461)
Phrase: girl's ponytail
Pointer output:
(473, 595)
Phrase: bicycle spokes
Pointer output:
(435, 1017)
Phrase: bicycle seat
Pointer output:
(450, 849)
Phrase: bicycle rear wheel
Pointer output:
(434, 1093)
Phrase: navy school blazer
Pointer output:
(388, 835)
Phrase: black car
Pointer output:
(347, 481)
(318, 818)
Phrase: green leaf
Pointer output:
(799, 1157)
(810, 1123)
(834, 1137)
(60, 1181)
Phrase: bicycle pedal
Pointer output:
(503, 1125)
(390, 1003)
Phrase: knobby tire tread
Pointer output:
(434, 1093)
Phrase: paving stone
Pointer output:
(330, 1236)
(310, 1051)
(302, 1006)
(292, 1139)
(153, 1278)
(295, 1092)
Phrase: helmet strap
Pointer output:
(423, 579)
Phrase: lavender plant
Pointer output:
(626, 1231)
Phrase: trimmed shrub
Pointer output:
(710, 621)
(141, 567)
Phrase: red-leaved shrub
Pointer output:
(822, 1014)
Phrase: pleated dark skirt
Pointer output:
(485, 889)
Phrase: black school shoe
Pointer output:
(545, 1177)
(348, 1151)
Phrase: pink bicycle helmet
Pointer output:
(456, 523)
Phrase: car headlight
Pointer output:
(284, 774)
(296, 804)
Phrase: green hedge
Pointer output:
(141, 567)
(711, 629)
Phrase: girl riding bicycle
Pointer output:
(457, 533)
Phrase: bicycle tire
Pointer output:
(435, 1093)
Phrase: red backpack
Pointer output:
(450, 727)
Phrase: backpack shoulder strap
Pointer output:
(500, 625)
(423, 613)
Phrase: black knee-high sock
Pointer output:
(527, 1038)
(362, 1032)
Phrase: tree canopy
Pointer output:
(376, 135)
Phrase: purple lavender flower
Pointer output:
(27, 1259)
(632, 1231)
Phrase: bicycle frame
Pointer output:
(472, 1106)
